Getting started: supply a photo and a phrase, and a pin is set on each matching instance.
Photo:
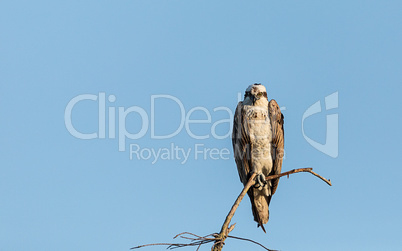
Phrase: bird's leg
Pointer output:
(260, 181)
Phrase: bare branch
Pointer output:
(308, 169)
(154, 244)
(244, 239)
(219, 239)
(231, 227)
(224, 230)
(198, 241)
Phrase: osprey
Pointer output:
(258, 141)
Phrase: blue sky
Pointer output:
(59, 192)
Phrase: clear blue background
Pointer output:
(58, 192)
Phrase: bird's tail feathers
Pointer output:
(259, 205)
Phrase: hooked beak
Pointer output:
(254, 99)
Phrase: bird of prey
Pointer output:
(258, 142)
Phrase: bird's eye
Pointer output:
(259, 94)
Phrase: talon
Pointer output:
(260, 181)
(257, 184)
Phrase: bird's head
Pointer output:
(256, 94)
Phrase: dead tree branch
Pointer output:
(245, 239)
(308, 169)
(225, 229)
(219, 239)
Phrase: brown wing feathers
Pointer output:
(241, 145)
(277, 146)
